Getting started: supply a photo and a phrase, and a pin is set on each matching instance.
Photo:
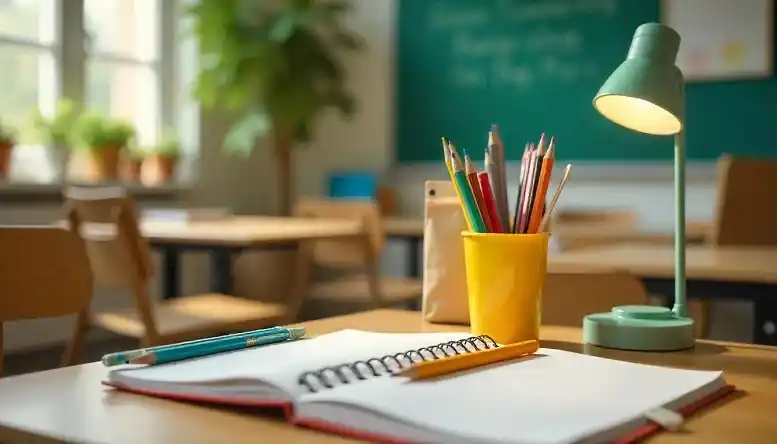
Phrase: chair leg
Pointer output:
(75, 347)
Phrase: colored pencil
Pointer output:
(467, 198)
(535, 180)
(457, 363)
(529, 190)
(472, 178)
(517, 210)
(552, 206)
(488, 198)
(499, 183)
(448, 149)
(542, 188)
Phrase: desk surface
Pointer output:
(745, 264)
(256, 230)
(69, 405)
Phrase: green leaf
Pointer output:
(282, 30)
(242, 137)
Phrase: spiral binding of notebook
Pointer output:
(329, 377)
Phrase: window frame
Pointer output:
(71, 54)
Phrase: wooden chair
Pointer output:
(44, 273)
(746, 212)
(355, 261)
(568, 297)
(105, 219)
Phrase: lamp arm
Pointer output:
(680, 306)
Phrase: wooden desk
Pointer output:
(703, 262)
(224, 238)
(746, 273)
(246, 231)
(69, 405)
(404, 227)
(575, 236)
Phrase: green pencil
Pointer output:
(468, 199)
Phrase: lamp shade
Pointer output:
(645, 93)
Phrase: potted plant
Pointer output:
(100, 140)
(7, 143)
(160, 161)
(56, 131)
(131, 164)
(278, 63)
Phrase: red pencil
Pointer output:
(472, 178)
(488, 198)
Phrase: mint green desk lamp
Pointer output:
(646, 94)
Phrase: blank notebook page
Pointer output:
(278, 364)
(555, 396)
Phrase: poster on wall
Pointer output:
(722, 39)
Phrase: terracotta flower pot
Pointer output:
(157, 170)
(6, 149)
(102, 164)
(130, 170)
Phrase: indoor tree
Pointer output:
(277, 65)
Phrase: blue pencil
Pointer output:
(203, 347)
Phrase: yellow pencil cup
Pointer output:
(505, 278)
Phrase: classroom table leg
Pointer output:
(221, 270)
(170, 271)
(413, 262)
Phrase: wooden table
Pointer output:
(222, 239)
(69, 405)
(745, 273)
(578, 235)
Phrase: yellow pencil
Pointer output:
(444, 366)
(447, 148)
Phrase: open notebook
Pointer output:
(552, 397)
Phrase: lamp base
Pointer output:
(639, 328)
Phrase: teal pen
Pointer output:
(470, 205)
(204, 347)
(123, 357)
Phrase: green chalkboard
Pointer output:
(534, 66)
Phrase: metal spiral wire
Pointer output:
(329, 377)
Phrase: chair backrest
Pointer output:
(746, 212)
(346, 253)
(568, 297)
(106, 220)
(44, 272)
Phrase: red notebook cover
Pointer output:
(637, 435)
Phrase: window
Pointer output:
(119, 57)
(122, 69)
(28, 53)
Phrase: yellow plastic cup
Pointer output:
(505, 277)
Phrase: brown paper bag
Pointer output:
(445, 282)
